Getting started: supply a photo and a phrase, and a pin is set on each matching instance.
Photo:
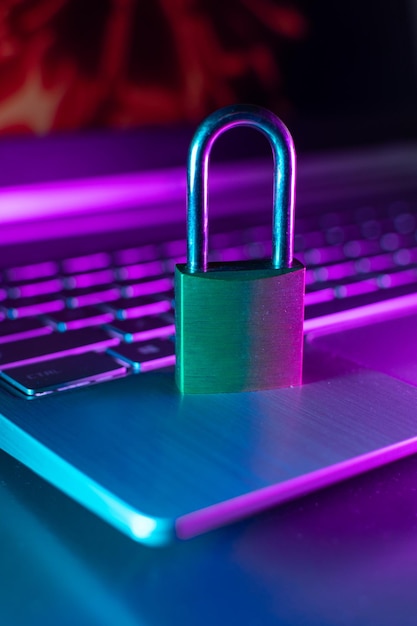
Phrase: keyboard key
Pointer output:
(76, 298)
(37, 379)
(30, 307)
(360, 248)
(89, 279)
(377, 263)
(72, 319)
(32, 272)
(397, 279)
(319, 296)
(321, 256)
(146, 287)
(86, 263)
(141, 270)
(127, 308)
(136, 255)
(146, 356)
(143, 328)
(38, 349)
(41, 288)
(405, 256)
(357, 288)
(15, 330)
(336, 271)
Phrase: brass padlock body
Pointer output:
(239, 327)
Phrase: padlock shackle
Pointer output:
(283, 181)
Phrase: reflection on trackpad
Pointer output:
(388, 346)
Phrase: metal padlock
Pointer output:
(239, 325)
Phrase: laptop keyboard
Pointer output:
(86, 319)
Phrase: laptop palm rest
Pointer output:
(388, 346)
(158, 465)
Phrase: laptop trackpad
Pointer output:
(387, 346)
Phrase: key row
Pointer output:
(72, 368)
(122, 301)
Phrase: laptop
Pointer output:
(92, 227)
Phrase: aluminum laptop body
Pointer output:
(102, 419)
(157, 464)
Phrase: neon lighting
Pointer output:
(402, 303)
(79, 196)
(321, 295)
(145, 528)
(105, 193)
(217, 515)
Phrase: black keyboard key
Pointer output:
(44, 348)
(40, 288)
(136, 255)
(333, 272)
(97, 261)
(142, 328)
(89, 279)
(145, 356)
(321, 256)
(377, 263)
(32, 272)
(326, 294)
(30, 307)
(127, 308)
(357, 288)
(72, 319)
(146, 287)
(38, 379)
(140, 270)
(15, 330)
(76, 298)
(398, 279)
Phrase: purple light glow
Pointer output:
(148, 288)
(141, 270)
(92, 299)
(37, 308)
(78, 196)
(86, 263)
(358, 288)
(402, 304)
(32, 272)
(165, 361)
(90, 279)
(26, 334)
(153, 333)
(321, 295)
(30, 290)
(106, 193)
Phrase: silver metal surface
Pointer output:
(136, 445)
(156, 464)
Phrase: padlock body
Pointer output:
(239, 327)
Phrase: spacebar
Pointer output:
(39, 349)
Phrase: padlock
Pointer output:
(239, 325)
